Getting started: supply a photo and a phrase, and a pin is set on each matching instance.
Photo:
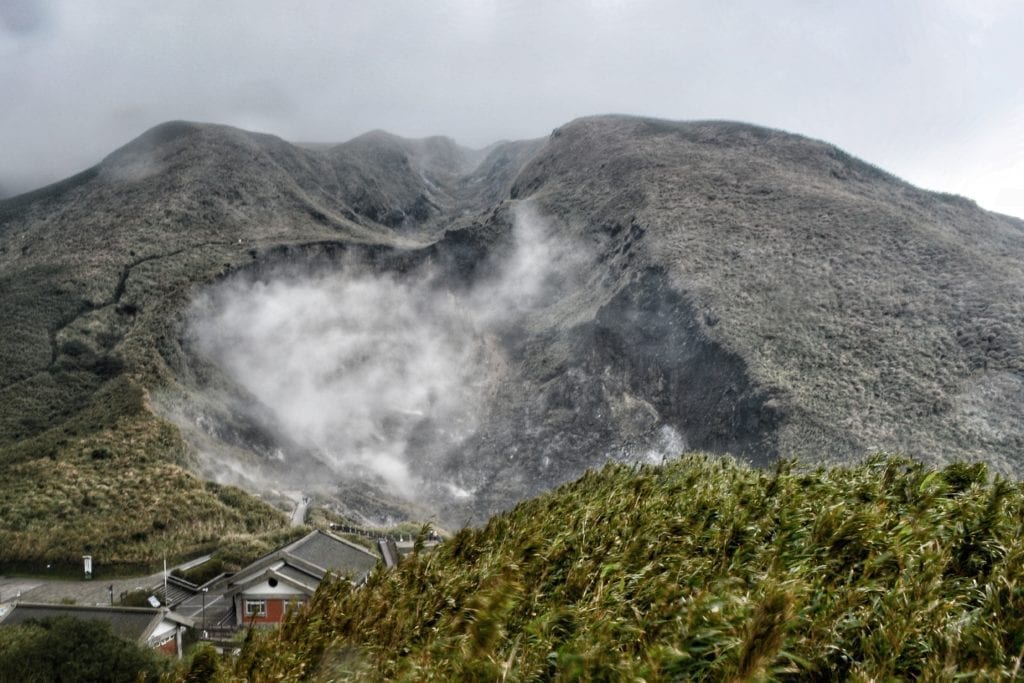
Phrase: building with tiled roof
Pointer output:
(156, 628)
(262, 592)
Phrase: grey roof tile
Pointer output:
(130, 623)
(327, 551)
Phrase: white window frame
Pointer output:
(261, 606)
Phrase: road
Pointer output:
(78, 591)
(298, 517)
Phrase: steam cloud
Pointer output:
(379, 374)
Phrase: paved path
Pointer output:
(298, 517)
(78, 591)
(213, 608)
(184, 566)
(95, 592)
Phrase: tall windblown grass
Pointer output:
(701, 569)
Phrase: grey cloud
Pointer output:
(22, 17)
(889, 82)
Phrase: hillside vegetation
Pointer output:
(700, 569)
(120, 491)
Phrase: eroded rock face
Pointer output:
(638, 382)
(657, 347)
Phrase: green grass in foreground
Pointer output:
(701, 569)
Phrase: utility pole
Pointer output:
(204, 609)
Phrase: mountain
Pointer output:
(877, 315)
(624, 290)
(762, 294)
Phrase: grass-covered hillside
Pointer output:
(700, 569)
(115, 486)
(95, 275)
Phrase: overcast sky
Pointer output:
(931, 90)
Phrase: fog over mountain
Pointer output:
(926, 90)
(407, 329)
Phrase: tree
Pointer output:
(67, 649)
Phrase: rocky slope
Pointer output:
(761, 294)
(707, 285)
(878, 315)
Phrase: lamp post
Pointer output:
(204, 609)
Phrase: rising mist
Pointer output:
(378, 375)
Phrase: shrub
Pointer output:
(701, 569)
(66, 649)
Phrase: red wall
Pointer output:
(275, 613)
(168, 648)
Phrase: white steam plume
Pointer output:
(379, 374)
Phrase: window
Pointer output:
(255, 608)
(161, 643)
